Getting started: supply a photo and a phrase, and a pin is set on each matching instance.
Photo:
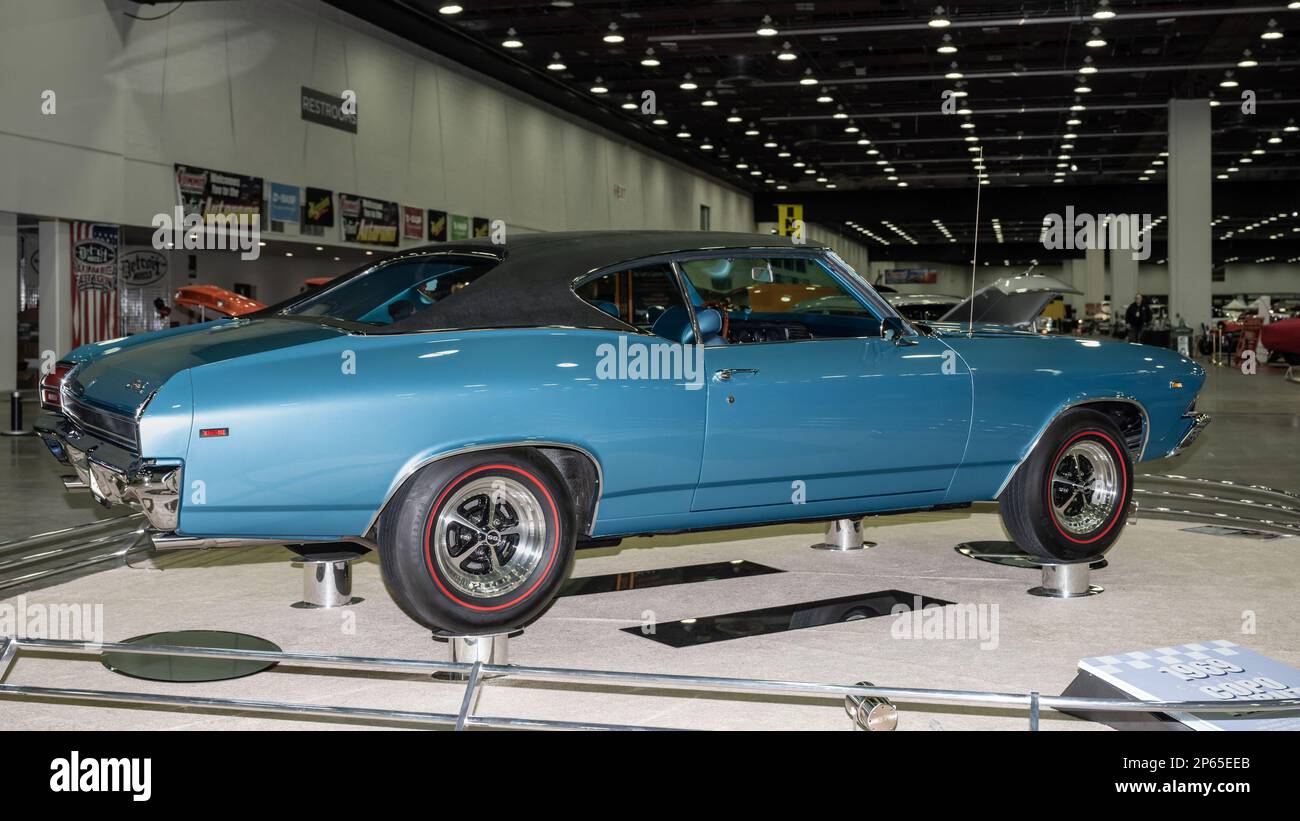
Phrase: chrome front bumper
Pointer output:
(1199, 422)
(112, 474)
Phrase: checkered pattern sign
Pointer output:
(1205, 671)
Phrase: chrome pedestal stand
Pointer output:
(871, 713)
(843, 534)
(327, 580)
(493, 648)
(1059, 581)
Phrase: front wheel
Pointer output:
(478, 543)
(1066, 503)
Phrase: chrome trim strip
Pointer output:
(1146, 432)
(175, 541)
(1200, 421)
(536, 443)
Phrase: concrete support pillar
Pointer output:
(1075, 274)
(55, 285)
(1094, 277)
(8, 304)
(1124, 280)
(1190, 248)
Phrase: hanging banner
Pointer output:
(368, 220)
(787, 215)
(318, 207)
(95, 309)
(459, 226)
(325, 109)
(911, 276)
(203, 191)
(481, 227)
(412, 222)
(437, 226)
(284, 202)
(143, 281)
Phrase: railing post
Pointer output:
(1033, 711)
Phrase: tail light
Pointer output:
(50, 385)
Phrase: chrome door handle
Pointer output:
(726, 373)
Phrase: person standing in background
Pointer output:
(1138, 316)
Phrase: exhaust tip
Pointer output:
(71, 483)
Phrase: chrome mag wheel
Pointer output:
(1085, 487)
(489, 537)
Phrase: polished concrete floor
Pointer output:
(1164, 586)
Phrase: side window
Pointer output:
(645, 296)
(777, 299)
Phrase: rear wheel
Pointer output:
(478, 543)
(1066, 503)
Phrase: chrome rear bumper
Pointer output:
(113, 474)
(1199, 422)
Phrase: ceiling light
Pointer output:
(798, 163)
(754, 132)
(511, 40)
(808, 79)
(613, 36)
(1058, 179)
(1096, 40)
(902, 185)
(781, 187)
(708, 101)
(734, 117)
(947, 47)
(1291, 127)
(786, 53)
(556, 63)
(1074, 121)
(953, 73)
(1082, 88)
(687, 84)
(706, 146)
(851, 129)
(598, 87)
(1070, 136)
(1246, 60)
(766, 29)
(822, 179)
(968, 124)
(1078, 107)
(825, 98)
(649, 60)
(659, 121)
(872, 152)
(628, 105)
(742, 165)
(864, 141)
(770, 143)
(1258, 151)
(1103, 11)
(684, 134)
(450, 8)
(938, 21)
(1274, 140)
(1272, 33)
(1227, 81)
(783, 153)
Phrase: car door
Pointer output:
(808, 403)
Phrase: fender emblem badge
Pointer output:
(136, 385)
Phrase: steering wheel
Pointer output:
(721, 308)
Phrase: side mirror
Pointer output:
(894, 328)
(762, 273)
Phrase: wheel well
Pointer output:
(1129, 418)
(582, 476)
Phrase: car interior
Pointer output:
(736, 300)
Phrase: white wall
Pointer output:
(217, 84)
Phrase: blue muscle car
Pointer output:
(477, 411)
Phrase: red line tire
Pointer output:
(1068, 501)
(478, 543)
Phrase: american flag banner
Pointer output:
(96, 313)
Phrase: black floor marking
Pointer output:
(747, 623)
(688, 574)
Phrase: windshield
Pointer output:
(394, 290)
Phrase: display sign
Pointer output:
(369, 220)
(786, 217)
(204, 191)
(481, 226)
(1206, 671)
(412, 222)
(437, 226)
(911, 276)
(459, 226)
(318, 208)
(95, 312)
(284, 202)
(326, 109)
(141, 267)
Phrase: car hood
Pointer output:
(122, 374)
(1015, 301)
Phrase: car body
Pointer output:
(336, 416)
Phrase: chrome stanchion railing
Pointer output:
(477, 673)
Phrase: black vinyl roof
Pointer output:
(532, 285)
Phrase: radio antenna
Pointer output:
(975, 250)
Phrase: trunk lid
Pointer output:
(122, 377)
